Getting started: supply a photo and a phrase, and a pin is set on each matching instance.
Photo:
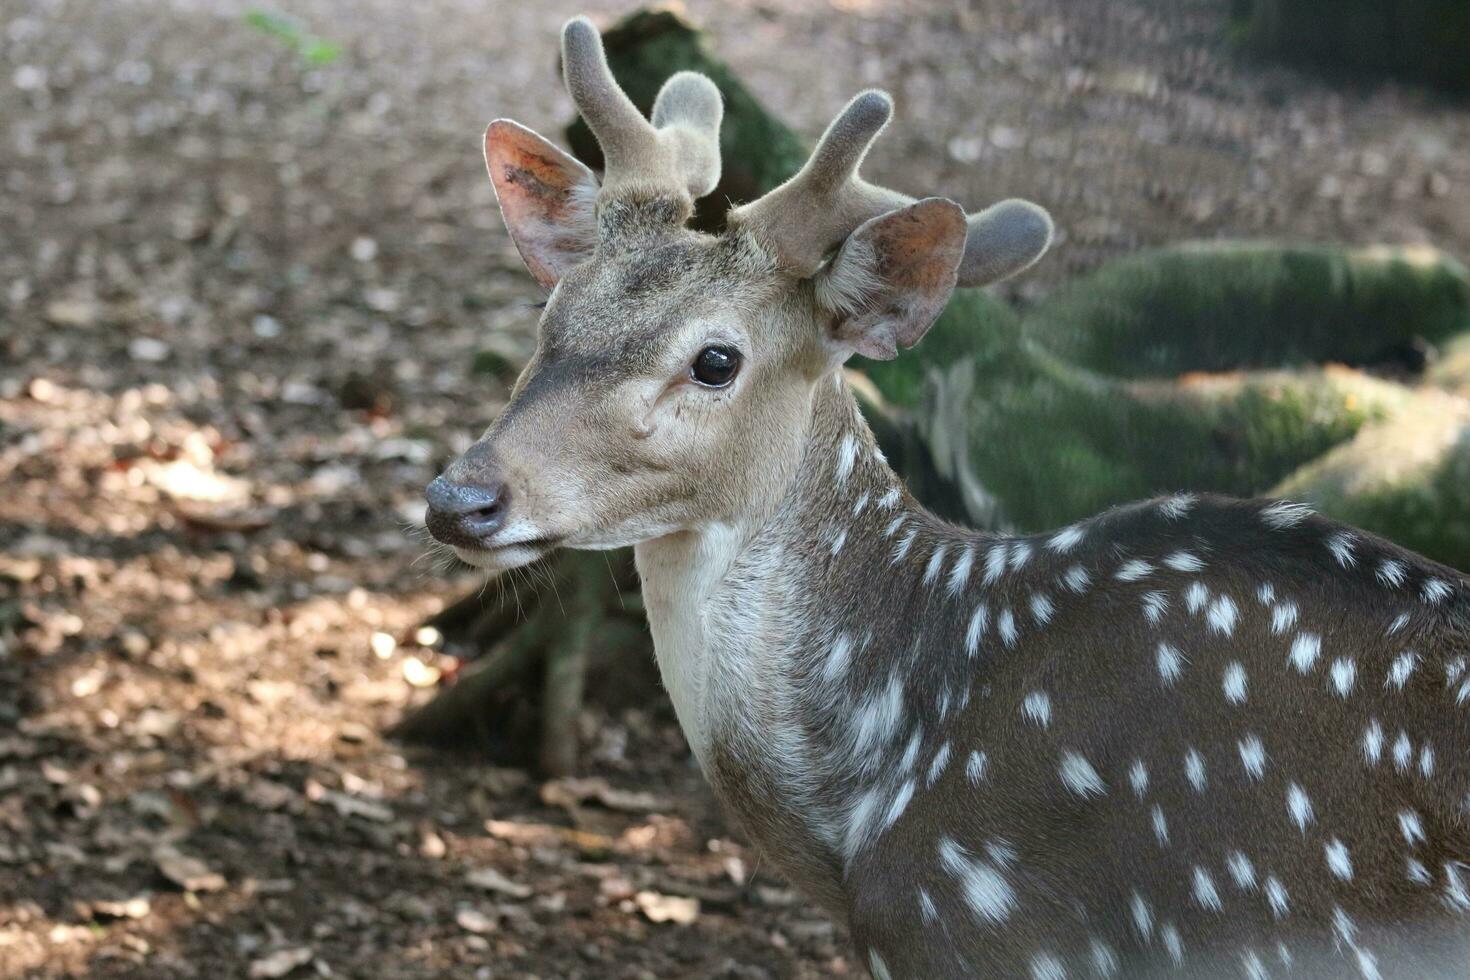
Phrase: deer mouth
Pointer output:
(499, 557)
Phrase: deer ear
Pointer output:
(547, 197)
(892, 277)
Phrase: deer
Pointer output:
(1190, 736)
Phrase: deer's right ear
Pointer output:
(892, 277)
(547, 197)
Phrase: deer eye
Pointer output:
(716, 366)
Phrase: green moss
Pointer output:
(1407, 479)
(1427, 40)
(1224, 306)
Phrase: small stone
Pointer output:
(148, 349)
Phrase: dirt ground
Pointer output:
(241, 295)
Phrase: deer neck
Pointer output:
(762, 625)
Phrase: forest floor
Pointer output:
(242, 294)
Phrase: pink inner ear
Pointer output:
(546, 197)
(915, 254)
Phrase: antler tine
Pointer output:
(678, 153)
(807, 217)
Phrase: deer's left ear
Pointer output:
(547, 197)
(892, 277)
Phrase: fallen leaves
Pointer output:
(188, 873)
(657, 907)
(281, 963)
(490, 880)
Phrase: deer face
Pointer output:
(673, 374)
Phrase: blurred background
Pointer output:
(254, 292)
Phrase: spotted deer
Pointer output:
(1192, 736)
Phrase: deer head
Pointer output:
(673, 377)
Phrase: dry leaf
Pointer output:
(281, 962)
(567, 793)
(473, 920)
(493, 881)
(190, 874)
(667, 908)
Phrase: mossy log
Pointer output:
(1407, 479)
(1223, 306)
(1422, 40)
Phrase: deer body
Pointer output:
(1192, 736)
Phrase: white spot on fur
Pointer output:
(1254, 969)
(1453, 668)
(985, 888)
(1172, 942)
(1076, 579)
(1276, 897)
(1403, 751)
(1435, 590)
(1037, 708)
(903, 546)
(1041, 607)
(1066, 539)
(936, 767)
(1418, 873)
(1252, 756)
(1133, 570)
(1266, 593)
(899, 804)
(876, 721)
(979, 619)
(890, 499)
(1104, 959)
(1304, 652)
(1177, 506)
(1398, 672)
(1233, 682)
(1204, 890)
(1138, 777)
(1143, 918)
(1184, 561)
(928, 911)
(1399, 622)
(1222, 615)
(839, 654)
(1426, 760)
(894, 525)
(995, 564)
(975, 768)
(1006, 624)
(1020, 554)
(1161, 825)
(1338, 860)
(1154, 605)
(1196, 596)
(1283, 617)
(1079, 776)
(936, 562)
(846, 456)
(1045, 966)
(1284, 514)
(1392, 573)
(1298, 806)
(877, 967)
(1454, 886)
(960, 573)
(1412, 827)
(1341, 545)
(860, 506)
(1171, 664)
(1344, 673)
(1194, 769)
(1373, 742)
(839, 541)
(1241, 870)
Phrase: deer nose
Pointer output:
(465, 514)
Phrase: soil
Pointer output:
(244, 278)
